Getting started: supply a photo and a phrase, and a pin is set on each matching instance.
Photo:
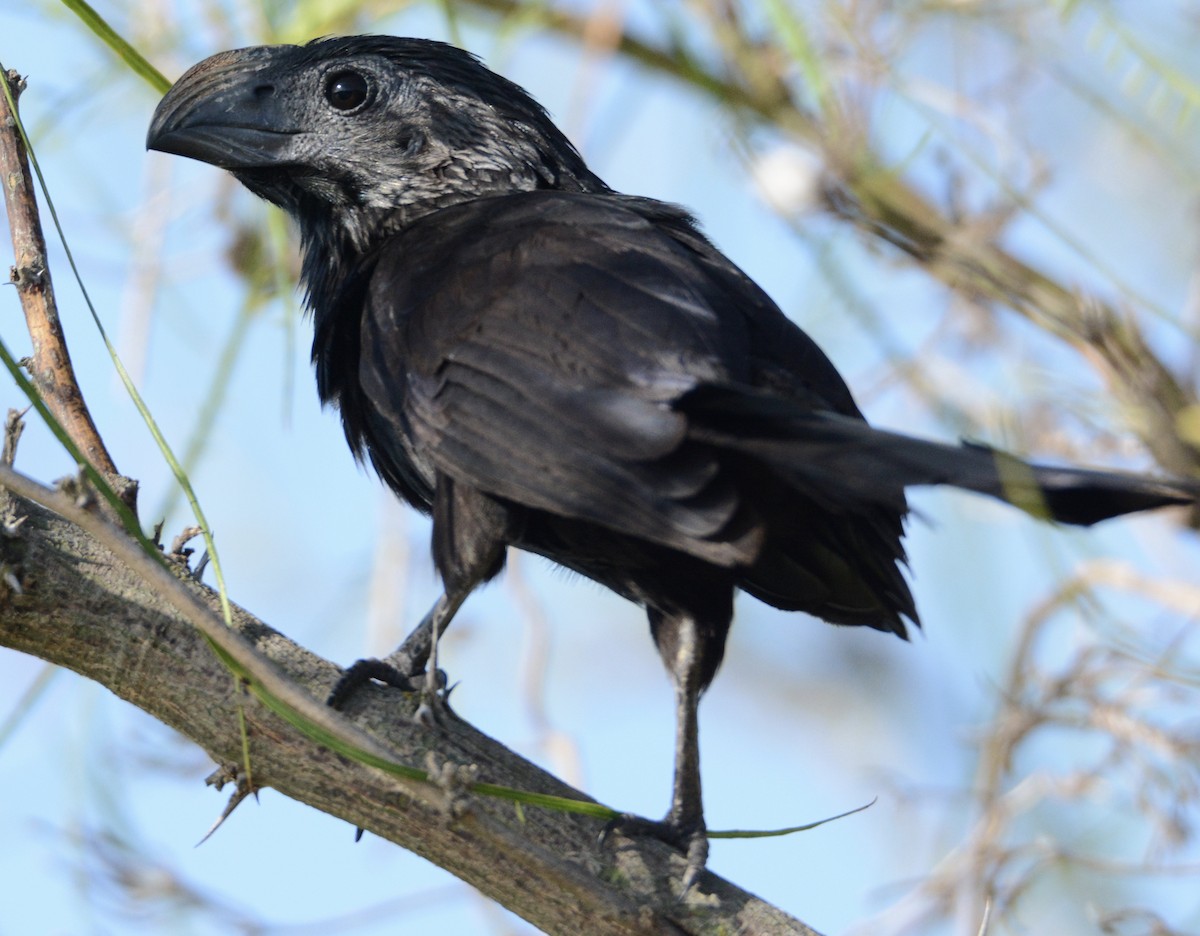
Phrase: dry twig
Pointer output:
(50, 363)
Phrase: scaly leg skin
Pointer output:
(400, 670)
(683, 827)
(433, 707)
(687, 805)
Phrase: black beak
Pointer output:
(229, 111)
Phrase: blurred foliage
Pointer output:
(920, 138)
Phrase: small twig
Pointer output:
(14, 425)
(50, 364)
(186, 535)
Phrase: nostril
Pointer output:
(263, 91)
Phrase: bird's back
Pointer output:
(548, 349)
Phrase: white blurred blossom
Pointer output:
(787, 178)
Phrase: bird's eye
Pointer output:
(346, 90)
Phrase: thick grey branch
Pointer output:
(83, 608)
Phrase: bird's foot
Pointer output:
(432, 709)
(688, 836)
(361, 672)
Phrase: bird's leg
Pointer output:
(433, 700)
(469, 534)
(691, 667)
(686, 816)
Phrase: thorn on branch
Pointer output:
(13, 578)
(180, 551)
(28, 277)
(10, 581)
(11, 528)
(198, 572)
(16, 83)
(14, 425)
(227, 773)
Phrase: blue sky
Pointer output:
(804, 721)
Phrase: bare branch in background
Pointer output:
(995, 844)
(752, 82)
(50, 364)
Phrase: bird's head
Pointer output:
(365, 131)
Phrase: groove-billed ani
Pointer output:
(541, 362)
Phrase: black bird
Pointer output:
(539, 361)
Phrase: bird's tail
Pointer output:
(841, 460)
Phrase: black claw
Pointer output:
(361, 672)
(688, 838)
(633, 826)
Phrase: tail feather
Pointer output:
(839, 460)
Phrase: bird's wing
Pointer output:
(532, 346)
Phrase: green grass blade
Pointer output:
(127, 53)
(180, 476)
(28, 701)
(97, 480)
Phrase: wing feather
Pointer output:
(524, 350)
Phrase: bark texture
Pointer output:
(81, 608)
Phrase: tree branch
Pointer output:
(50, 364)
(81, 606)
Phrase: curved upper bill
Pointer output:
(230, 111)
